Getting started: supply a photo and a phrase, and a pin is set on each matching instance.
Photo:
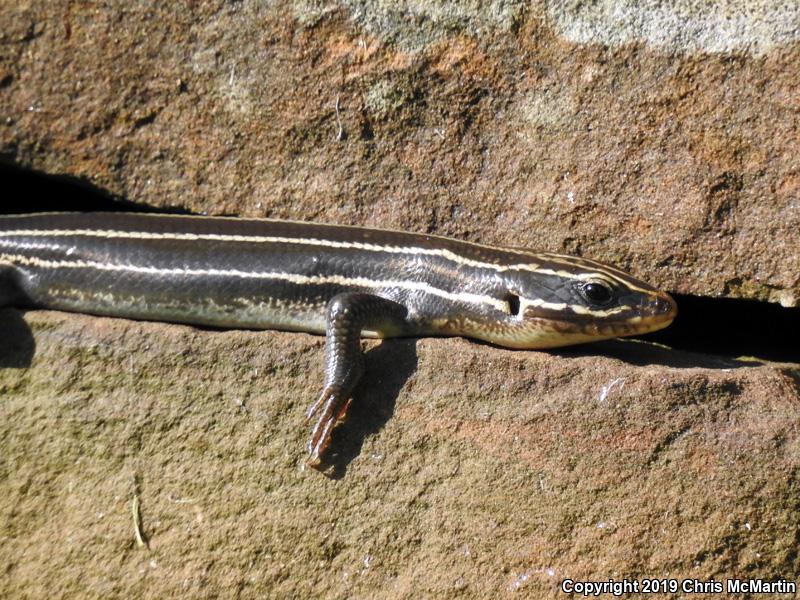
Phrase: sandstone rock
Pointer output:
(661, 137)
(502, 471)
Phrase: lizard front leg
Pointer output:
(348, 316)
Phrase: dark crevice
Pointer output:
(715, 326)
(146, 120)
(30, 191)
(731, 327)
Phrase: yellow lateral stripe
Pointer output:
(531, 267)
(362, 282)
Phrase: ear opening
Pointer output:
(513, 304)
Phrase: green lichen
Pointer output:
(385, 97)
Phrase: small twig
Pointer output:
(141, 541)
(340, 134)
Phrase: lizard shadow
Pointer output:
(388, 367)
(17, 345)
(639, 352)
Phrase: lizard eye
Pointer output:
(597, 292)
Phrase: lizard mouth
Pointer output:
(654, 313)
(661, 311)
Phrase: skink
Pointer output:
(344, 282)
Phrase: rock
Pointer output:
(501, 471)
(662, 138)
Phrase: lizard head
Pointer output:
(557, 300)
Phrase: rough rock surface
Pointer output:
(660, 136)
(503, 473)
(663, 139)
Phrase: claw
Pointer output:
(334, 411)
(320, 439)
(341, 414)
(348, 314)
(312, 410)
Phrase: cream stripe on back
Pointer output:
(531, 267)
